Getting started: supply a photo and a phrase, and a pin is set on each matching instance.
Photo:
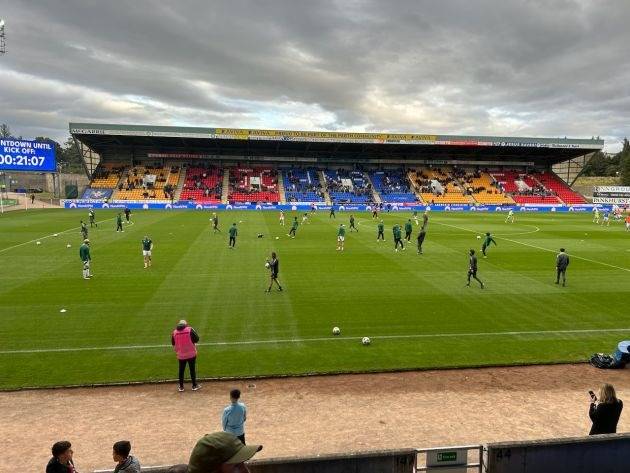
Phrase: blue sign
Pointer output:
(32, 156)
(188, 205)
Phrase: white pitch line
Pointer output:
(539, 247)
(320, 339)
(47, 236)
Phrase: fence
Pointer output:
(602, 453)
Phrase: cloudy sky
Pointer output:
(497, 67)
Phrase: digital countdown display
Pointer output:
(28, 156)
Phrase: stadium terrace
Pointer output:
(156, 166)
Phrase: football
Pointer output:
(478, 237)
(267, 265)
(336, 330)
(39, 242)
(68, 245)
(366, 340)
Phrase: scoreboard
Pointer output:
(31, 156)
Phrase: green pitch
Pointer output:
(415, 308)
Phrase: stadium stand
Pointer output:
(345, 186)
(438, 186)
(203, 184)
(302, 185)
(393, 186)
(145, 182)
(484, 188)
(552, 182)
(525, 189)
(258, 184)
(107, 176)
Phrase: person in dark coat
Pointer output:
(605, 411)
(562, 263)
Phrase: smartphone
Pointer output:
(593, 397)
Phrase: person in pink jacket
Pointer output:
(183, 340)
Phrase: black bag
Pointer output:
(603, 361)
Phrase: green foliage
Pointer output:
(5, 131)
(412, 307)
(625, 163)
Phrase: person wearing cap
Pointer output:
(221, 452)
(234, 416)
(183, 340)
(86, 259)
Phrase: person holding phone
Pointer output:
(605, 411)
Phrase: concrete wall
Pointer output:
(596, 454)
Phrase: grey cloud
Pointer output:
(541, 68)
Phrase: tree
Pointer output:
(5, 132)
(625, 163)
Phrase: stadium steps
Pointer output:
(322, 180)
(122, 180)
(283, 197)
(412, 186)
(180, 184)
(375, 195)
(225, 190)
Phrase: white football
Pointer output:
(68, 245)
(277, 238)
(39, 242)
(56, 234)
(478, 237)
(366, 340)
(267, 265)
(336, 330)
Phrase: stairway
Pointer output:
(412, 186)
(375, 195)
(322, 180)
(283, 198)
(180, 184)
(122, 180)
(225, 190)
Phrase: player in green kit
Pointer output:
(215, 223)
(352, 226)
(84, 230)
(397, 237)
(421, 236)
(486, 244)
(408, 230)
(294, 227)
(381, 231)
(233, 234)
(119, 227)
(415, 217)
(425, 219)
(92, 219)
(86, 259)
(341, 237)
(147, 248)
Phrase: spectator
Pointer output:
(221, 452)
(234, 416)
(125, 462)
(61, 461)
(605, 411)
(183, 340)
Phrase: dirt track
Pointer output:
(307, 415)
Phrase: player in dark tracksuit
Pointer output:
(274, 267)
(562, 262)
(408, 230)
(332, 212)
(352, 226)
(84, 230)
(127, 214)
(397, 237)
(472, 269)
(233, 232)
(421, 236)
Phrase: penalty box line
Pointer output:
(323, 339)
(537, 247)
